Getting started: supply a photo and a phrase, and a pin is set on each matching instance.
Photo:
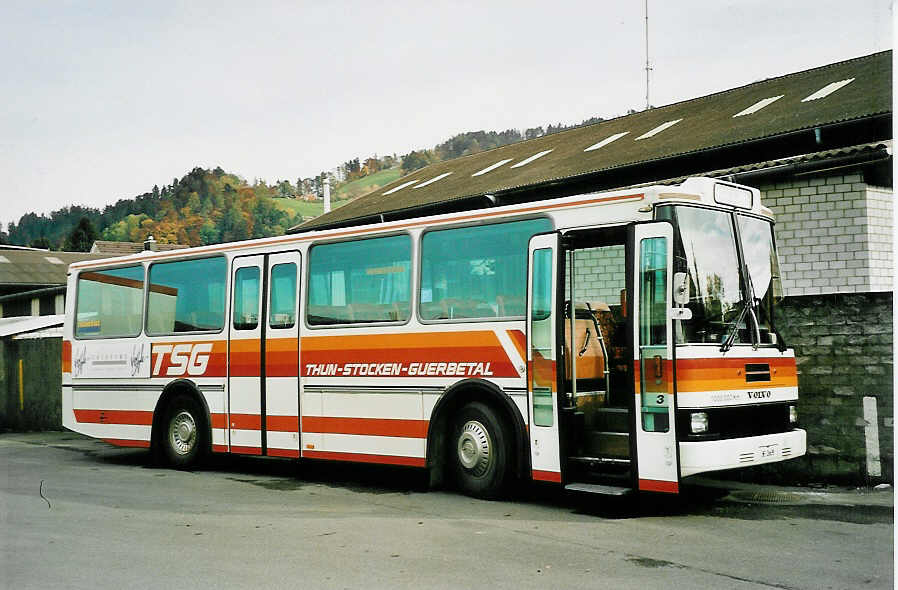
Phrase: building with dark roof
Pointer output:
(112, 249)
(818, 144)
(32, 281)
(830, 107)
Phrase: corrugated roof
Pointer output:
(21, 325)
(846, 91)
(38, 267)
(124, 248)
(862, 152)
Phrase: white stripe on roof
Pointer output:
(758, 106)
(493, 167)
(827, 90)
(606, 141)
(400, 187)
(658, 129)
(531, 158)
(434, 179)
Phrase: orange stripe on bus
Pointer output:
(294, 453)
(654, 485)
(365, 458)
(727, 374)
(246, 421)
(366, 426)
(282, 423)
(282, 357)
(126, 442)
(393, 341)
(219, 420)
(246, 450)
(519, 339)
(130, 417)
(66, 356)
(215, 361)
(552, 476)
(248, 345)
(245, 358)
(474, 346)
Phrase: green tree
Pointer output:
(415, 160)
(41, 242)
(82, 237)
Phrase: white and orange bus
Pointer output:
(605, 342)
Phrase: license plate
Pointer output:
(767, 451)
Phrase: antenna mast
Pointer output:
(648, 67)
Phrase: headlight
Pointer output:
(699, 422)
(793, 414)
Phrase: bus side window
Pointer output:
(476, 272)
(246, 298)
(187, 296)
(283, 296)
(109, 303)
(358, 282)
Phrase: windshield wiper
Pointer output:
(731, 337)
(750, 306)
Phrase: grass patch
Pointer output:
(300, 209)
(342, 195)
(365, 185)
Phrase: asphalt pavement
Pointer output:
(77, 513)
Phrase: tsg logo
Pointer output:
(180, 359)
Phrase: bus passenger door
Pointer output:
(657, 464)
(245, 404)
(281, 354)
(542, 354)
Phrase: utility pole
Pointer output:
(648, 67)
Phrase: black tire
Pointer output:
(184, 438)
(479, 452)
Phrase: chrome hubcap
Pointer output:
(474, 448)
(182, 433)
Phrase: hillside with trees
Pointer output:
(203, 207)
(212, 206)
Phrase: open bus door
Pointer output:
(542, 357)
(655, 443)
(615, 397)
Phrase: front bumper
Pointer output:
(700, 457)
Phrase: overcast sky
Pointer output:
(102, 100)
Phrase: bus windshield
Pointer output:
(763, 269)
(720, 298)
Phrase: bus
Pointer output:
(604, 342)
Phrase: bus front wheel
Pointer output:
(480, 451)
(184, 435)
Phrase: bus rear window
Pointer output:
(187, 296)
(110, 303)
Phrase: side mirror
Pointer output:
(681, 288)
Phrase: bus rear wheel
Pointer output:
(480, 452)
(184, 437)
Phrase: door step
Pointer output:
(607, 444)
(594, 488)
(600, 460)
